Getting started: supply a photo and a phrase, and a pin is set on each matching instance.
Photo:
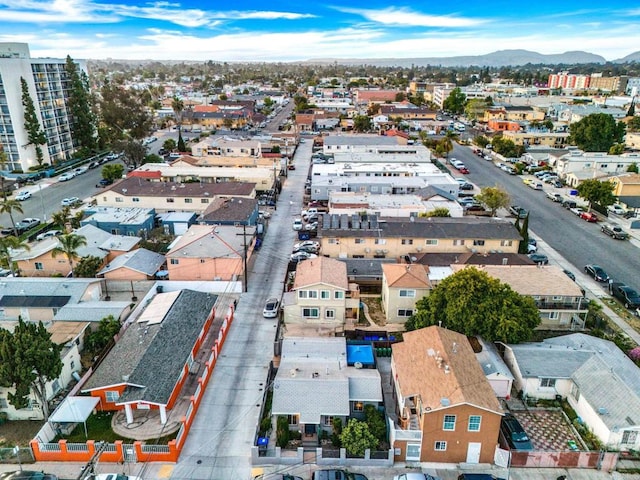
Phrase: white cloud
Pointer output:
(409, 18)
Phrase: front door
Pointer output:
(473, 452)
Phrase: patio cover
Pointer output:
(74, 410)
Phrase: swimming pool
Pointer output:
(362, 353)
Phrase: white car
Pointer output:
(307, 244)
(115, 476)
(23, 196)
(80, 170)
(297, 224)
(70, 202)
(66, 176)
(271, 308)
(615, 209)
(49, 234)
(414, 476)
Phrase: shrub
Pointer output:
(282, 431)
(634, 354)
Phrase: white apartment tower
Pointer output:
(48, 87)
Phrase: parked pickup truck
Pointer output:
(615, 232)
(518, 211)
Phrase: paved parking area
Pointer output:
(549, 430)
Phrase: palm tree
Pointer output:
(8, 245)
(178, 106)
(62, 218)
(69, 245)
(9, 206)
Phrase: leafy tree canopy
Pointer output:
(455, 102)
(506, 147)
(494, 198)
(634, 125)
(473, 303)
(356, 438)
(35, 134)
(112, 171)
(595, 191)
(361, 123)
(87, 267)
(596, 132)
(96, 340)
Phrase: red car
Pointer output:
(463, 170)
(589, 217)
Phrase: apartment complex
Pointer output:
(48, 87)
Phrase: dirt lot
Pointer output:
(375, 310)
(18, 433)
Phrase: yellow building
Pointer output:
(545, 139)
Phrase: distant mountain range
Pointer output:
(501, 58)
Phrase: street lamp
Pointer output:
(44, 213)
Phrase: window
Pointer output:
(407, 241)
(330, 313)
(440, 446)
(359, 241)
(310, 313)
(380, 241)
(333, 241)
(474, 423)
(338, 295)
(188, 200)
(3, 403)
(204, 200)
(407, 293)
(119, 199)
(548, 382)
(202, 260)
(308, 294)
(478, 243)
(506, 243)
(175, 261)
(449, 422)
(170, 200)
(554, 315)
(293, 419)
(111, 396)
(431, 241)
(358, 407)
(135, 199)
(575, 392)
(327, 420)
(405, 312)
(629, 437)
(413, 452)
(458, 242)
(325, 294)
(39, 266)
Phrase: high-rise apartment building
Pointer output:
(48, 87)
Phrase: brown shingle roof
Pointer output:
(133, 187)
(457, 377)
(229, 209)
(470, 258)
(406, 275)
(321, 270)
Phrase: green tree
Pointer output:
(361, 123)
(596, 132)
(595, 191)
(8, 245)
(169, 144)
(83, 119)
(438, 212)
(177, 105)
(473, 303)
(152, 158)
(376, 422)
(88, 267)
(634, 125)
(356, 438)
(62, 218)
(523, 248)
(506, 147)
(226, 123)
(282, 431)
(400, 97)
(494, 198)
(181, 146)
(632, 110)
(9, 206)
(633, 168)
(69, 245)
(96, 340)
(481, 141)
(455, 102)
(28, 360)
(475, 108)
(35, 134)
(112, 171)
(616, 149)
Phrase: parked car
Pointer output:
(478, 476)
(614, 231)
(306, 243)
(569, 274)
(337, 475)
(276, 476)
(22, 196)
(629, 297)
(466, 186)
(414, 476)
(569, 204)
(80, 170)
(557, 184)
(271, 308)
(514, 434)
(115, 476)
(311, 226)
(539, 259)
(308, 249)
(616, 209)
(48, 234)
(66, 176)
(27, 475)
(535, 185)
(532, 245)
(70, 201)
(518, 211)
(104, 182)
(554, 197)
(299, 256)
(597, 272)
(27, 224)
(297, 224)
(462, 169)
(589, 217)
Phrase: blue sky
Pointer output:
(281, 30)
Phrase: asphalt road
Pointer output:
(578, 241)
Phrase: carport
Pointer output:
(74, 410)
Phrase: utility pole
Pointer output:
(245, 273)
(89, 469)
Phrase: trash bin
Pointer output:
(262, 443)
(159, 289)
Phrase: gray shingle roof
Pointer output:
(153, 356)
(430, 227)
(75, 288)
(91, 311)
(135, 187)
(140, 260)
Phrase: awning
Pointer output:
(74, 410)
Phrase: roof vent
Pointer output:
(603, 411)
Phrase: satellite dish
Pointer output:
(358, 365)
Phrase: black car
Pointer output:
(104, 182)
(629, 297)
(466, 186)
(597, 272)
(539, 258)
(569, 274)
(514, 434)
(27, 475)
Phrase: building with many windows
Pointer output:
(48, 88)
